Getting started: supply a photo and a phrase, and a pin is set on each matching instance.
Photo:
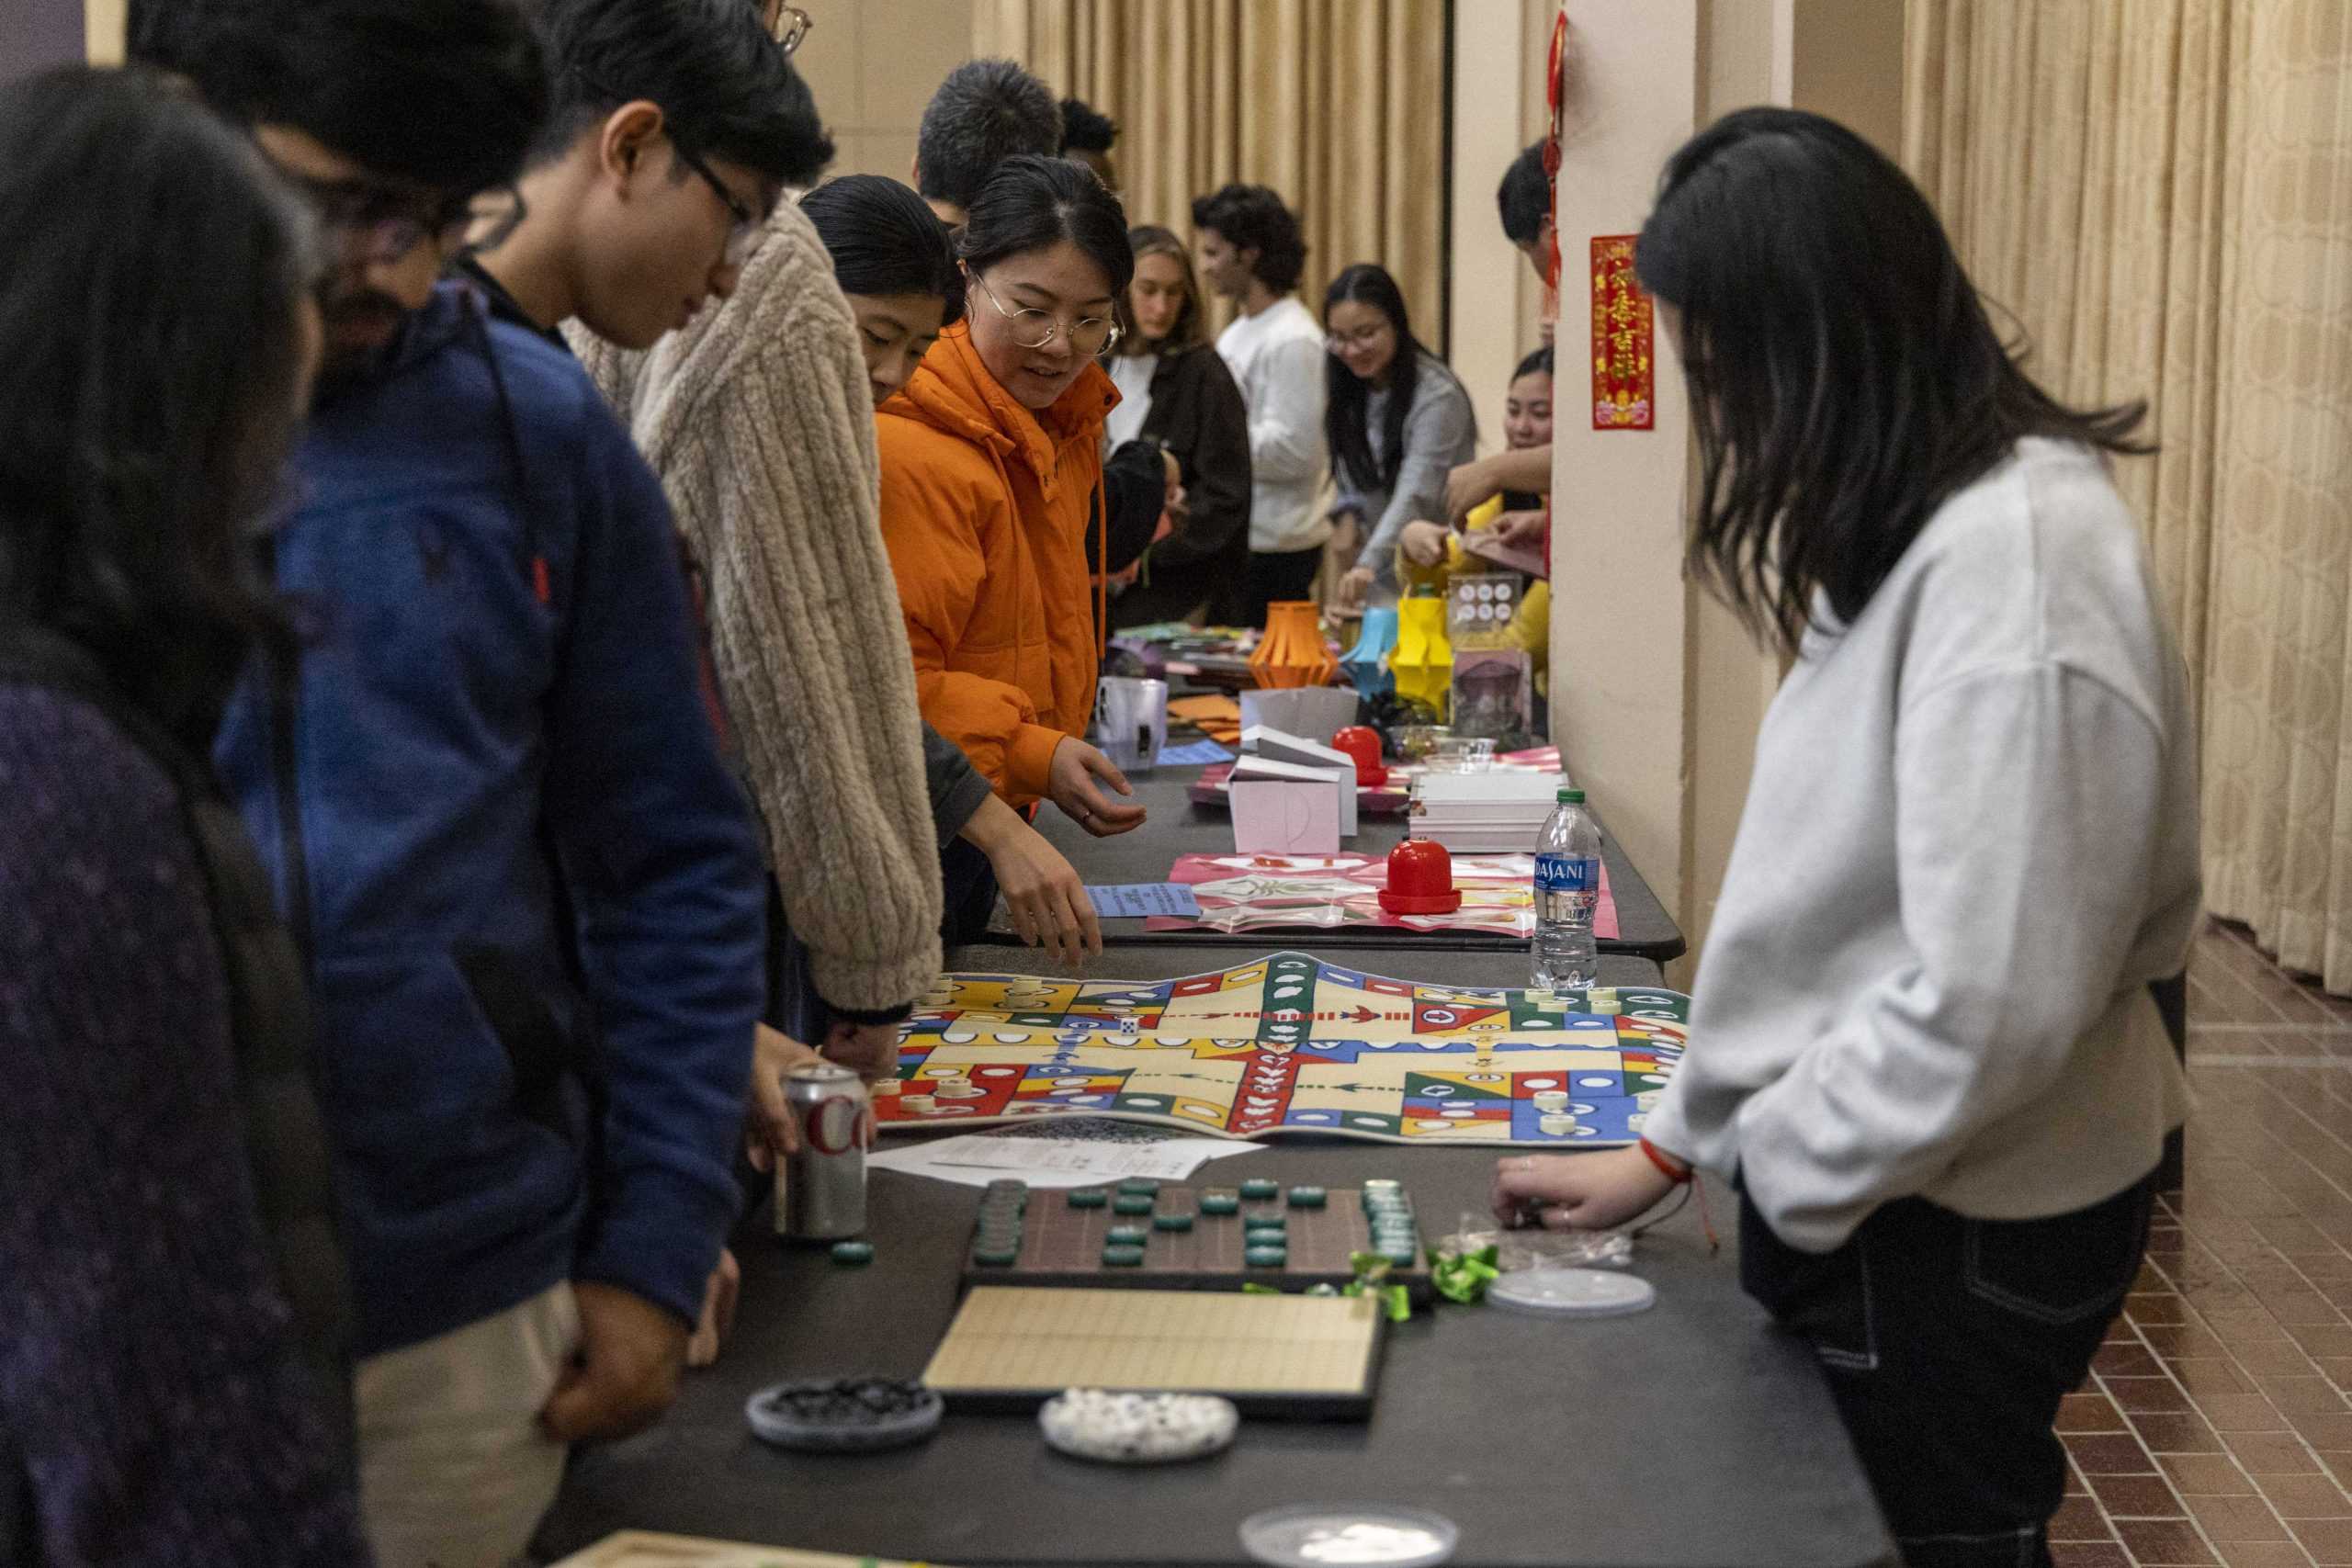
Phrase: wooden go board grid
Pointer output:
(1063, 1245)
(1011, 1347)
(646, 1548)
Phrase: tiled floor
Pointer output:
(2216, 1427)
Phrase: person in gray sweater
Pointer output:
(1397, 422)
(1923, 1043)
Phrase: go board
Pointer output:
(1012, 1347)
(1064, 1240)
(1289, 1045)
(648, 1549)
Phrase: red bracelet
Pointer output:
(1679, 1174)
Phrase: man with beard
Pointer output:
(494, 806)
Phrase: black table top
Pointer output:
(1177, 827)
(1691, 1434)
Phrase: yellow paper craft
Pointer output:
(1423, 662)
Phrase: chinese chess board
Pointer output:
(1065, 1237)
(1290, 1046)
(1012, 1349)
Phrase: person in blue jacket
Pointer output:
(524, 880)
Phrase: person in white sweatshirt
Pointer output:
(1922, 1040)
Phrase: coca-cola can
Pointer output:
(820, 1187)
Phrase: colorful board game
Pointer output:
(1333, 893)
(1289, 1044)
(1173, 1235)
(645, 1549)
(1012, 1347)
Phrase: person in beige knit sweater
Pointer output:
(759, 418)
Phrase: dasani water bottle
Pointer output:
(1567, 892)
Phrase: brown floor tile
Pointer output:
(2265, 1355)
(2154, 1396)
(2336, 1370)
(2338, 1465)
(2155, 1308)
(2203, 1375)
(2306, 1498)
(2241, 1413)
(2177, 1434)
(2329, 1339)
(2264, 1555)
(2168, 1542)
(2271, 1453)
(2137, 1497)
(2111, 1454)
(2227, 1519)
(2090, 1413)
(2079, 1519)
(2087, 1554)
(2328, 1540)
(2296, 1391)
(2132, 1361)
(2323, 1430)
(2188, 1339)
(2206, 1476)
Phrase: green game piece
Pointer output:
(1144, 1185)
(1382, 1187)
(1123, 1257)
(1401, 1255)
(1131, 1203)
(1171, 1222)
(1126, 1236)
(1260, 1187)
(1220, 1204)
(852, 1252)
(1255, 1228)
(1266, 1257)
(1089, 1197)
(1308, 1198)
(996, 1257)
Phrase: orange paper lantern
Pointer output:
(1292, 652)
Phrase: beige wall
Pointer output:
(873, 65)
(1847, 61)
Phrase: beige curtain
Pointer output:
(2161, 192)
(1338, 104)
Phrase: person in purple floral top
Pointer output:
(169, 1369)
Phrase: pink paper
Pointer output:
(1324, 890)
(1275, 817)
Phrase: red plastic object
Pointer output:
(1362, 742)
(1420, 880)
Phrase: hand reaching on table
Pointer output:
(1424, 543)
(624, 1372)
(1071, 783)
(869, 1050)
(772, 1133)
(1355, 586)
(1047, 898)
(1578, 1192)
(1523, 530)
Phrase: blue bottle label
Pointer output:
(1568, 873)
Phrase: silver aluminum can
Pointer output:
(820, 1189)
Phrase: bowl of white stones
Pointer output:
(1139, 1429)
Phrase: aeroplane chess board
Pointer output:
(1289, 1044)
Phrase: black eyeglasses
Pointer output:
(387, 222)
(747, 222)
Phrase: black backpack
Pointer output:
(286, 1140)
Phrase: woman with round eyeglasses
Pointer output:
(992, 504)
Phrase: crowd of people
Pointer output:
(518, 627)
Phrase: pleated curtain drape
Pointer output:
(1338, 104)
(2160, 191)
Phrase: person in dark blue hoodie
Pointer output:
(524, 881)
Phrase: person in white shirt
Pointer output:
(1251, 253)
(1922, 1042)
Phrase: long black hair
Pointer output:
(1344, 427)
(1032, 202)
(149, 321)
(885, 240)
(1845, 379)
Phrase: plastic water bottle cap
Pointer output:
(1572, 796)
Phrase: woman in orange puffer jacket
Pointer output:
(992, 500)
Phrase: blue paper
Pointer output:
(1193, 754)
(1141, 898)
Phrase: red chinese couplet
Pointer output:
(1623, 375)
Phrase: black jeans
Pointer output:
(970, 884)
(1949, 1343)
(1282, 577)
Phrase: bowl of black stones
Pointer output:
(845, 1414)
